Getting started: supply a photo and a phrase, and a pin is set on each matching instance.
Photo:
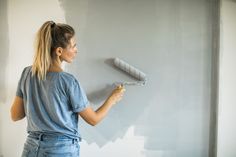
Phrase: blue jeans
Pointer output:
(43, 145)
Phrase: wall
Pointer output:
(4, 44)
(170, 40)
(227, 101)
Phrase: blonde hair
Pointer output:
(49, 37)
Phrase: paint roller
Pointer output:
(132, 71)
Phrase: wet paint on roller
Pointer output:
(136, 73)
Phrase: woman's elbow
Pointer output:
(17, 109)
(92, 122)
(90, 117)
(15, 117)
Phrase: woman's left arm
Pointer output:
(17, 109)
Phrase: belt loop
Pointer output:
(74, 140)
(40, 137)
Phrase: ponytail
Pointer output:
(49, 37)
(42, 58)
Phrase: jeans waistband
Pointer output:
(48, 136)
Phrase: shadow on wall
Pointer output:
(4, 44)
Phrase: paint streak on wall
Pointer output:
(4, 44)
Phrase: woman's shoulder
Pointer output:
(68, 77)
(26, 70)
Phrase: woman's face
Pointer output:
(68, 54)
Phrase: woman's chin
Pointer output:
(69, 61)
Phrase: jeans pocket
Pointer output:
(62, 150)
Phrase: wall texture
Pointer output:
(227, 101)
(170, 40)
(4, 44)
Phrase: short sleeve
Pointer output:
(77, 97)
(19, 91)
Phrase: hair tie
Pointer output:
(53, 24)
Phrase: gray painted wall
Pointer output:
(4, 44)
(171, 41)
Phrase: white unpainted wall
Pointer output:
(227, 81)
(21, 36)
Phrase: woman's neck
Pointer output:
(55, 66)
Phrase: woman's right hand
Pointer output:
(94, 117)
(117, 94)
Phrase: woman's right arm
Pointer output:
(17, 109)
(94, 117)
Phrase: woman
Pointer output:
(52, 100)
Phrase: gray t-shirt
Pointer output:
(52, 105)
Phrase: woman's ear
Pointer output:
(59, 51)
